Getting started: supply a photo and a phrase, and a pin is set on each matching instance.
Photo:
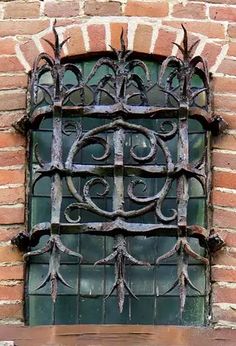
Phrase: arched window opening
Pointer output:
(119, 180)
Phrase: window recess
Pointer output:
(119, 188)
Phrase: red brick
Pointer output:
(115, 29)
(164, 45)
(224, 257)
(7, 46)
(30, 51)
(10, 64)
(11, 139)
(209, 29)
(11, 292)
(228, 237)
(7, 233)
(223, 199)
(223, 13)
(230, 119)
(223, 314)
(12, 195)
(211, 52)
(232, 49)
(11, 215)
(12, 272)
(227, 142)
(229, 2)
(227, 66)
(224, 218)
(8, 311)
(14, 176)
(189, 10)
(12, 101)
(21, 10)
(223, 294)
(8, 118)
(223, 274)
(224, 85)
(12, 158)
(224, 179)
(96, 35)
(10, 254)
(223, 160)
(75, 44)
(224, 103)
(22, 27)
(142, 38)
(147, 9)
(232, 30)
(13, 81)
(62, 9)
(95, 8)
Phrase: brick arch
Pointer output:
(97, 36)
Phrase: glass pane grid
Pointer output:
(84, 302)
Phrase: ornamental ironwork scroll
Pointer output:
(127, 90)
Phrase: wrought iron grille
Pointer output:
(117, 104)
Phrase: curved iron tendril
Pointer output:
(54, 247)
(120, 255)
(183, 251)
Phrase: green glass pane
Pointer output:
(142, 280)
(91, 280)
(196, 211)
(195, 188)
(39, 272)
(66, 310)
(112, 314)
(196, 146)
(142, 248)
(44, 140)
(167, 275)
(40, 310)
(168, 311)
(142, 310)
(93, 248)
(44, 205)
(91, 310)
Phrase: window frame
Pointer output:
(211, 242)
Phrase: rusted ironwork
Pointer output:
(128, 97)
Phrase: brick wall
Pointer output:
(94, 25)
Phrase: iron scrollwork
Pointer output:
(128, 95)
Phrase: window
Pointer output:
(119, 162)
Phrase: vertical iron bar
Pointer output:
(183, 161)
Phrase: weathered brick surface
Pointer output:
(115, 29)
(163, 45)
(223, 199)
(19, 9)
(146, 9)
(76, 44)
(10, 64)
(95, 8)
(142, 40)
(96, 35)
(11, 311)
(224, 160)
(189, 10)
(62, 9)
(22, 27)
(223, 13)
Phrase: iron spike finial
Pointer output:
(186, 50)
(56, 46)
